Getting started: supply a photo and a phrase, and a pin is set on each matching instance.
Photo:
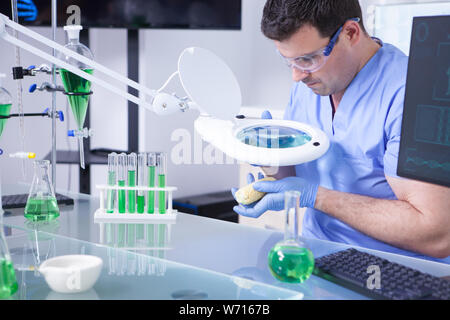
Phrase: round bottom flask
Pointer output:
(291, 260)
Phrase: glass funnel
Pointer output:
(5, 104)
(290, 260)
(77, 89)
(41, 203)
(8, 282)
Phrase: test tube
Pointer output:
(142, 162)
(122, 176)
(161, 163)
(112, 181)
(151, 164)
(132, 164)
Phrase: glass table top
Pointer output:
(126, 274)
(217, 246)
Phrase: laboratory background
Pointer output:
(264, 83)
(202, 174)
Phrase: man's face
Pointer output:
(333, 76)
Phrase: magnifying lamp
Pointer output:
(211, 88)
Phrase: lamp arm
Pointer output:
(5, 21)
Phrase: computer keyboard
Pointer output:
(20, 200)
(350, 268)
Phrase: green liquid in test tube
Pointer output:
(151, 164)
(132, 163)
(122, 176)
(112, 181)
(161, 162)
(142, 163)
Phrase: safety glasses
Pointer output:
(314, 61)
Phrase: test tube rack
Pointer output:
(101, 215)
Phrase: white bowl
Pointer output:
(71, 273)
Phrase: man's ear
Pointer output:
(352, 32)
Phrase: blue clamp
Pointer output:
(31, 67)
(1, 152)
(71, 133)
(60, 114)
(33, 88)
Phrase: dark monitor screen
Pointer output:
(134, 14)
(425, 139)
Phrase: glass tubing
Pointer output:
(124, 170)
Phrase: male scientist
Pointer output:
(352, 87)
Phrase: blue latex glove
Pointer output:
(274, 199)
(266, 115)
(27, 10)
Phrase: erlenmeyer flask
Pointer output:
(8, 282)
(291, 260)
(41, 203)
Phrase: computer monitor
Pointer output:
(135, 14)
(425, 138)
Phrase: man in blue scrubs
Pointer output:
(352, 87)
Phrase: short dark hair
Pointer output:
(282, 18)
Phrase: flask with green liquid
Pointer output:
(8, 282)
(5, 104)
(291, 260)
(77, 89)
(41, 204)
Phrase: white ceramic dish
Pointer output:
(71, 273)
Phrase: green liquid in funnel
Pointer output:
(8, 283)
(5, 109)
(75, 84)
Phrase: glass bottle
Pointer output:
(290, 260)
(8, 282)
(41, 203)
(77, 89)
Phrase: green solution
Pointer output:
(5, 110)
(78, 103)
(131, 235)
(291, 263)
(140, 204)
(132, 193)
(41, 209)
(151, 194)
(111, 195)
(122, 197)
(150, 237)
(8, 283)
(162, 194)
(140, 232)
(121, 235)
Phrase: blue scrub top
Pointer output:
(365, 139)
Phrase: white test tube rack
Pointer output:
(101, 215)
